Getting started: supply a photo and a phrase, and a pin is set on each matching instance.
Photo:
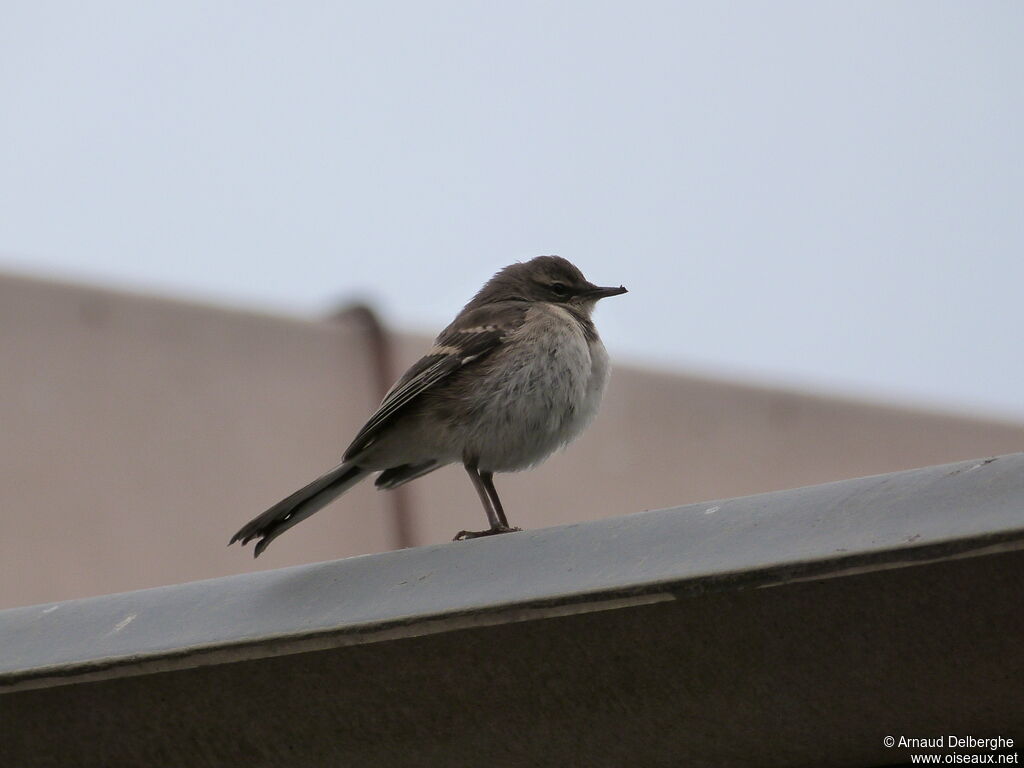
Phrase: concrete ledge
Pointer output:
(894, 605)
(855, 526)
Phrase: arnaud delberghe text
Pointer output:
(956, 742)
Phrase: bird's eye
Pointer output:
(560, 290)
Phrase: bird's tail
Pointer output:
(300, 505)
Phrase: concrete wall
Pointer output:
(662, 440)
(137, 434)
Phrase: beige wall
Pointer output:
(662, 440)
(137, 434)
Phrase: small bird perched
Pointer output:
(518, 374)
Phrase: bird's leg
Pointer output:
(492, 493)
(495, 514)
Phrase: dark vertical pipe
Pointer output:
(383, 370)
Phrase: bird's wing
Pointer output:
(473, 335)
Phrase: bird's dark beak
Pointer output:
(597, 292)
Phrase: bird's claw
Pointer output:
(463, 535)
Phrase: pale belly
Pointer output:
(543, 403)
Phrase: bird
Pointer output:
(517, 375)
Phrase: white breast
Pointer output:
(548, 391)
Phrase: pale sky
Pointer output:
(825, 195)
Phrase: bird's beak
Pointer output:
(597, 292)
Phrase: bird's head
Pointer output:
(545, 278)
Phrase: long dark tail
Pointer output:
(297, 507)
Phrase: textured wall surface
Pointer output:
(663, 439)
(138, 434)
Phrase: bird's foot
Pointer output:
(463, 535)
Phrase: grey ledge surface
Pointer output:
(826, 531)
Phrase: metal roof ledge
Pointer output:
(859, 531)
